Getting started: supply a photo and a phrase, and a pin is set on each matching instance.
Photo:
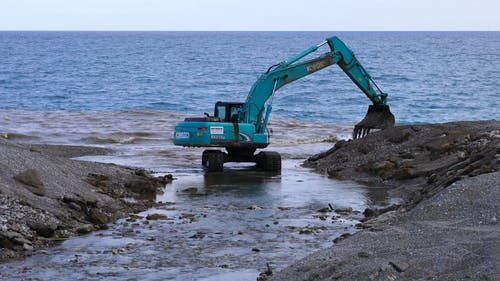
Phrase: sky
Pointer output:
(295, 15)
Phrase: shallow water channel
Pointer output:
(218, 226)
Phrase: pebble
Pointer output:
(84, 229)
(363, 255)
(399, 266)
(156, 216)
(27, 247)
(324, 210)
(344, 210)
(190, 190)
(198, 235)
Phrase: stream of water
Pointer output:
(217, 226)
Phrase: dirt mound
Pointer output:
(446, 227)
(452, 236)
(417, 160)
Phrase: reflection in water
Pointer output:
(217, 225)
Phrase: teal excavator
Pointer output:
(241, 127)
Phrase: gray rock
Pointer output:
(156, 217)
(21, 241)
(191, 190)
(97, 217)
(344, 210)
(31, 180)
(141, 186)
(399, 266)
(44, 229)
(75, 206)
(198, 235)
(10, 235)
(363, 254)
(84, 229)
(28, 247)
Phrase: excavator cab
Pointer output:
(228, 111)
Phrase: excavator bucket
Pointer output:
(377, 117)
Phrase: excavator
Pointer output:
(241, 127)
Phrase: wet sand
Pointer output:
(446, 227)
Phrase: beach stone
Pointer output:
(383, 168)
(46, 230)
(166, 179)
(363, 254)
(84, 229)
(399, 266)
(324, 210)
(6, 238)
(156, 216)
(254, 207)
(404, 173)
(21, 240)
(31, 180)
(140, 172)
(191, 190)
(10, 235)
(198, 235)
(397, 136)
(97, 217)
(28, 247)
(75, 206)
(344, 210)
(141, 186)
(341, 237)
(96, 179)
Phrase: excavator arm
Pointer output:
(256, 112)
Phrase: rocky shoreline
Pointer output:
(45, 197)
(445, 228)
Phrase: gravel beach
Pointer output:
(444, 178)
(45, 197)
(446, 226)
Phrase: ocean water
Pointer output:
(126, 90)
(429, 76)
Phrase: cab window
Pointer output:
(221, 112)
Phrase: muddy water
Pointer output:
(215, 226)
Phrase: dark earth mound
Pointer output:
(445, 228)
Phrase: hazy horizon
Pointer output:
(257, 15)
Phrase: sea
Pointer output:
(126, 90)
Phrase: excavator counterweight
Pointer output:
(241, 128)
